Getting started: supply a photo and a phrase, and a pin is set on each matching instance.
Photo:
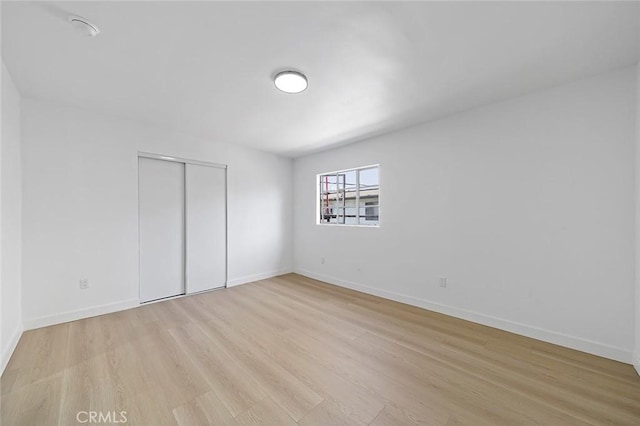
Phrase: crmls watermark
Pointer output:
(110, 417)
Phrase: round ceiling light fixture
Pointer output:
(84, 25)
(291, 81)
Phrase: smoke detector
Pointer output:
(84, 25)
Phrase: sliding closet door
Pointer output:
(161, 217)
(206, 228)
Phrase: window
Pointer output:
(350, 197)
(371, 210)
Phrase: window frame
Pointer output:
(357, 207)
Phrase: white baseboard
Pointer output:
(584, 345)
(257, 277)
(93, 311)
(636, 362)
(8, 351)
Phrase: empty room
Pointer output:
(320, 213)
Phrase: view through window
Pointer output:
(350, 197)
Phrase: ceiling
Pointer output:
(205, 68)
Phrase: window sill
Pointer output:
(347, 226)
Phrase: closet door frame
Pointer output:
(186, 161)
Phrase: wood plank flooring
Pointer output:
(291, 350)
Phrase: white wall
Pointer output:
(10, 222)
(80, 209)
(526, 206)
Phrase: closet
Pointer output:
(182, 226)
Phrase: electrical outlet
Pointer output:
(322, 260)
(84, 283)
(443, 281)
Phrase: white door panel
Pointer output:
(161, 228)
(206, 242)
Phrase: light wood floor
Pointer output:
(293, 350)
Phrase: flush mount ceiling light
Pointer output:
(84, 25)
(290, 81)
